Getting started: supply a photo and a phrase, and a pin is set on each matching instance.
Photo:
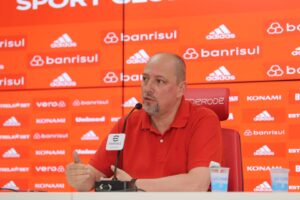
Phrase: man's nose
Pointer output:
(148, 87)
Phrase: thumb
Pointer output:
(76, 157)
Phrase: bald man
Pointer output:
(169, 143)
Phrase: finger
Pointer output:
(76, 157)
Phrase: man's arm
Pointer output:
(80, 176)
(197, 179)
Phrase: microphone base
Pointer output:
(114, 186)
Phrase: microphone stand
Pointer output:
(114, 184)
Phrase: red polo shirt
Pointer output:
(193, 140)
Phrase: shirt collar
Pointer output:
(179, 121)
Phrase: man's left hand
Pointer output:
(121, 174)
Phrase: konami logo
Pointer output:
(12, 81)
(50, 104)
(111, 77)
(12, 42)
(264, 98)
(50, 152)
(53, 169)
(114, 38)
(193, 54)
(50, 120)
(49, 185)
(24, 5)
(261, 168)
(277, 28)
(277, 71)
(65, 59)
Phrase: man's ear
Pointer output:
(181, 88)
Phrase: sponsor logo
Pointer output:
(14, 169)
(50, 120)
(263, 116)
(50, 152)
(294, 150)
(12, 42)
(297, 168)
(114, 38)
(85, 151)
(63, 80)
(208, 101)
(24, 5)
(11, 122)
(294, 187)
(263, 187)
(139, 57)
(51, 104)
(11, 185)
(53, 168)
(115, 119)
(293, 115)
(63, 41)
(249, 132)
(276, 28)
(220, 74)
(89, 119)
(277, 71)
(264, 151)
(14, 105)
(65, 59)
(230, 116)
(222, 32)
(233, 98)
(296, 52)
(49, 136)
(130, 102)
(49, 185)
(193, 54)
(261, 168)
(264, 98)
(11, 153)
(78, 102)
(12, 81)
(91, 135)
(111, 77)
(297, 96)
(16, 136)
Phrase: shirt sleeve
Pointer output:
(206, 141)
(103, 159)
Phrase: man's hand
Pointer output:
(80, 176)
(121, 174)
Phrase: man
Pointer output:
(169, 144)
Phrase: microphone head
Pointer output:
(138, 106)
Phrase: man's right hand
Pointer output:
(80, 176)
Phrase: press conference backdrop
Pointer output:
(69, 69)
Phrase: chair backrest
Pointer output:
(217, 99)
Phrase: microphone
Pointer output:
(116, 142)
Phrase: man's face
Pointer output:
(160, 90)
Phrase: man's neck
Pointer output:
(163, 121)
